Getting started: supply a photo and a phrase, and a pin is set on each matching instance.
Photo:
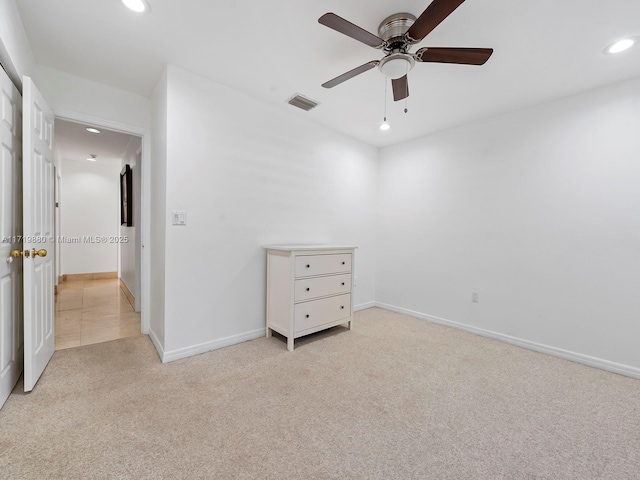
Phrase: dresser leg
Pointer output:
(269, 332)
(350, 324)
(290, 344)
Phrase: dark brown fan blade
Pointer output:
(400, 88)
(463, 56)
(350, 74)
(347, 28)
(435, 13)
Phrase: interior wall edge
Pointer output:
(114, 125)
(600, 363)
(364, 306)
(180, 353)
(156, 343)
(16, 54)
(153, 219)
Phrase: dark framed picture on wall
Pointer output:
(126, 197)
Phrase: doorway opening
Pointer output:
(99, 234)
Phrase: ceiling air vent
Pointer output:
(304, 103)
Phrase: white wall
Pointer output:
(539, 210)
(157, 235)
(249, 175)
(89, 206)
(15, 52)
(69, 94)
(130, 250)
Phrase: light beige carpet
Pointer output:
(395, 398)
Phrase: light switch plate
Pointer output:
(179, 217)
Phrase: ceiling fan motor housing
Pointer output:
(393, 28)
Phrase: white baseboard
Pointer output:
(156, 343)
(600, 363)
(180, 353)
(363, 306)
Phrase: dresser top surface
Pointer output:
(305, 248)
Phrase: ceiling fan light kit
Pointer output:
(396, 65)
(396, 35)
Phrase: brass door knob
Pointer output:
(39, 253)
(16, 253)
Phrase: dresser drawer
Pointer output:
(310, 265)
(308, 288)
(318, 312)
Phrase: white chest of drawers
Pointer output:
(308, 289)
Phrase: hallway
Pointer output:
(93, 311)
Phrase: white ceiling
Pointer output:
(75, 143)
(544, 49)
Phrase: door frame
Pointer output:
(145, 194)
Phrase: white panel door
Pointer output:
(11, 353)
(37, 174)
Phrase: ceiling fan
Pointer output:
(396, 35)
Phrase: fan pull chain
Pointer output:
(406, 99)
(385, 99)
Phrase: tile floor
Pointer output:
(93, 311)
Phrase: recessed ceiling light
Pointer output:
(92, 157)
(620, 46)
(92, 130)
(385, 126)
(138, 6)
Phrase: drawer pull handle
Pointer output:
(308, 266)
(308, 289)
(342, 307)
(307, 316)
(343, 263)
(342, 283)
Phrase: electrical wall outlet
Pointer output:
(475, 296)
